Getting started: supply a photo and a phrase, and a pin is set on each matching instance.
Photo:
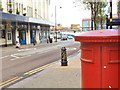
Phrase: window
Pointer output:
(2, 33)
(16, 6)
(13, 7)
(21, 9)
(9, 36)
(9, 6)
(27, 10)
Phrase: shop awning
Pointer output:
(41, 21)
(20, 18)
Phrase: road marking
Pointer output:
(70, 49)
(27, 49)
(4, 57)
(14, 56)
(33, 70)
(37, 69)
(8, 81)
(20, 57)
(14, 80)
(40, 69)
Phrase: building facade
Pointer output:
(86, 24)
(28, 19)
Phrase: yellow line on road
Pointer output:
(11, 82)
(36, 70)
(8, 81)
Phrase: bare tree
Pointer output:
(96, 7)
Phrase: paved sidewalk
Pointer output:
(55, 76)
(13, 47)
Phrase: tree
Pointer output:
(101, 17)
(97, 8)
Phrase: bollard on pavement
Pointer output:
(63, 57)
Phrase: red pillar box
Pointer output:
(100, 58)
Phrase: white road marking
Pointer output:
(4, 57)
(20, 57)
(14, 56)
(70, 49)
(27, 49)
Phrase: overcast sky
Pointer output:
(69, 14)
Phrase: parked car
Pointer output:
(70, 37)
(64, 37)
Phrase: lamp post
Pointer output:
(92, 20)
(55, 26)
(106, 21)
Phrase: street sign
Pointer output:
(116, 22)
(113, 22)
(110, 19)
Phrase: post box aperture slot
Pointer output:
(114, 56)
(87, 55)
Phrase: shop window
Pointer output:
(9, 36)
(9, 6)
(2, 33)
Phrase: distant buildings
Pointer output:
(75, 26)
(86, 24)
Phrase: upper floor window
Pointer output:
(9, 6)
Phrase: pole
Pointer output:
(110, 14)
(55, 26)
(106, 21)
(91, 20)
(64, 61)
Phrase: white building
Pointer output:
(28, 19)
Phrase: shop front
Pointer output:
(33, 28)
(2, 34)
(22, 32)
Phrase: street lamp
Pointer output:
(92, 22)
(106, 21)
(56, 24)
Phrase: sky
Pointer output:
(69, 14)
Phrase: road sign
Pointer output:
(110, 19)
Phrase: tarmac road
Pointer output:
(18, 63)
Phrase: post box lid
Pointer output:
(99, 36)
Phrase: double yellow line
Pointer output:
(36, 70)
(10, 81)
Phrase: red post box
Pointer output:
(100, 58)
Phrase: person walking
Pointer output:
(17, 42)
(34, 41)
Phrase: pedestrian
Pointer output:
(47, 40)
(17, 42)
(34, 41)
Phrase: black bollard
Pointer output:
(63, 57)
